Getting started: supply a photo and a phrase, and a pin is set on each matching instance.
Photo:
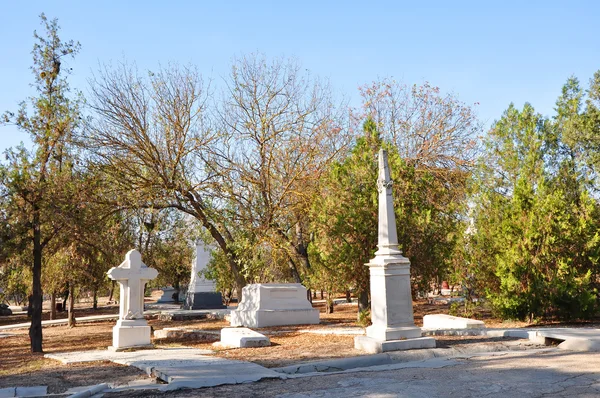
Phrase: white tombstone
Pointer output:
(242, 338)
(131, 329)
(274, 304)
(201, 292)
(443, 321)
(391, 301)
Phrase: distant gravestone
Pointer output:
(131, 329)
(5, 310)
(201, 293)
(274, 304)
(168, 295)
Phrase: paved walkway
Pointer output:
(574, 339)
(524, 374)
(83, 319)
(180, 367)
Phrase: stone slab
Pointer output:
(443, 321)
(7, 392)
(187, 334)
(375, 346)
(574, 339)
(243, 338)
(184, 315)
(340, 331)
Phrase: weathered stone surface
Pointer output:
(443, 321)
(131, 329)
(375, 346)
(274, 304)
(242, 338)
(187, 334)
(186, 315)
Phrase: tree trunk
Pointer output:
(71, 315)
(363, 301)
(176, 294)
(348, 296)
(322, 295)
(35, 330)
(95, 305)
(53, 306)
(309, 295)
(238, 292)
(112, 291)
(329, 305)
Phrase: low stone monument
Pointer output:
(242, 338)
(393, 327)
(443, 321)
(201, 292)
(274, 304)
(131, 329)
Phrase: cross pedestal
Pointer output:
(131, 329)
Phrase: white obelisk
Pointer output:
(393, 327)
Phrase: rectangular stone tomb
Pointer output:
(443, 321)
(242, 338)
(274, 304)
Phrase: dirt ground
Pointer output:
(289, 345)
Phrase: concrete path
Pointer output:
(574, 339)
(83, 319)
(524, 374)
(180, 367)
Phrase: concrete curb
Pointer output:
(92, 390)
(395, 357)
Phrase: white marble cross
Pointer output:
(132, 276)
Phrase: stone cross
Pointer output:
(132, 276)
(387, 236)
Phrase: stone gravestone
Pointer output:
(131, 329)
(201, 292)
(393, 327)
(274, 304)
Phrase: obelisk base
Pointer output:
(375, 346)
(203, 301)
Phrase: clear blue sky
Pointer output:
(493, 54)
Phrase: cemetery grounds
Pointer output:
(289, 344)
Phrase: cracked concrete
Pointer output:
(522, 374)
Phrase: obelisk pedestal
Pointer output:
(201, 293)
(393, 327)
